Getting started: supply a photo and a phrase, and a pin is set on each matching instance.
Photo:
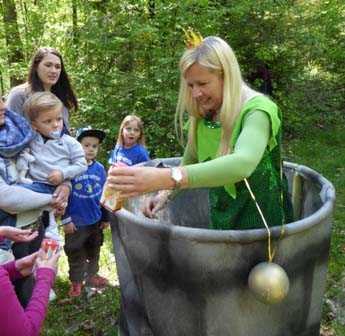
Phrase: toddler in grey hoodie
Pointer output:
(54, 157)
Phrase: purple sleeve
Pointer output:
(14, 320)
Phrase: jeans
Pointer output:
(40, 187)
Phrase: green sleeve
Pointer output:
(188, 156)
(232, 168)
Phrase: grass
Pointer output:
(320, 149)
(94, 313)
(323, 150)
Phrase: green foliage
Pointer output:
(123, 56)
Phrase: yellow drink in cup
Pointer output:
(110, 198)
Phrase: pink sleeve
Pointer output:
(12, 271)
(14, 320)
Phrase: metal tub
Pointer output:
(179, 278)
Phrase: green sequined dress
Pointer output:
(231, 206)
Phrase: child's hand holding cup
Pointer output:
(49, 254)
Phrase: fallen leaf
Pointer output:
(327, 331)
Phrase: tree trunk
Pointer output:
(2, 86)
(151, 8)
(12, 37)
(75, 21)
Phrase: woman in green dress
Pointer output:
(234, 135)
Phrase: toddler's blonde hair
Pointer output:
(41, 102)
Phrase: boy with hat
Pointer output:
(84, 219)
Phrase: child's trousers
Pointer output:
(82, 249)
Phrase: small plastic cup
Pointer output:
(49, 246)
(111, 199)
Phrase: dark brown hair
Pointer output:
(62, 89)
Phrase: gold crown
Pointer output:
(192, 39)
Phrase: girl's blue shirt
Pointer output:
(129, 156)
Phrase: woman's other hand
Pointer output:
(17, 235)
(155, 203)
(25, 265)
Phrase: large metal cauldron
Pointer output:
(179, 279)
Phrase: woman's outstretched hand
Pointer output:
(133, 181)
(17, 235)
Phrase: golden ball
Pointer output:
(268, 282)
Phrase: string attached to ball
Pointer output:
(268, 281)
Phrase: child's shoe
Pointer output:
(97, 281)
(75, 289)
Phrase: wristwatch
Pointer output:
(176, 176)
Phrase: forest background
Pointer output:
(122, 57)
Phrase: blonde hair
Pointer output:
(126, 120)
(217, 57)
(41, 102)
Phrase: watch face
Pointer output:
(176, 175)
